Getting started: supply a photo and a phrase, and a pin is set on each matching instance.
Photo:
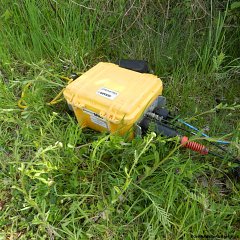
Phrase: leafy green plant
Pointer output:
(58, 181)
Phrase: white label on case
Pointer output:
(95, 118)
(107, 93)
(99, 121)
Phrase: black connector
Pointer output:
(162, 112)
(159, 128)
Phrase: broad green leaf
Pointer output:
(235, 5)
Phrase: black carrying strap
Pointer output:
(135, 65)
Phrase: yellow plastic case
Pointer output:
(110, 98)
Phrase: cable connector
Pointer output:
(197, 147)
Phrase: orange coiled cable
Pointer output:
(197, 147)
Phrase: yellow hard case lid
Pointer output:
(115, 93)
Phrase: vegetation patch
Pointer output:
(58, 181)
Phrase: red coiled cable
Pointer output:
(197, 147)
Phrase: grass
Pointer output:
(59, 181)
